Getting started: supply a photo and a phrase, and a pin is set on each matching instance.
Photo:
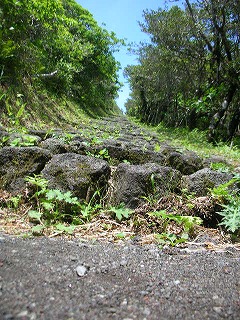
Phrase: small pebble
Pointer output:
(81, 270)
(217, 309)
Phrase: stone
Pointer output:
(81, 270)
(201, 181)
(55, 146)
(82, 175)
(186, 163)
(18, 162)
(133, 182)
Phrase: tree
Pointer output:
(56, 44)
(190, 71)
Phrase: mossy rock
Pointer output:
(82, 175)
(18, 162)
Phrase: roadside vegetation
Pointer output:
(57, 70)
(188, 76)
(56, 63)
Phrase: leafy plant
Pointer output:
(24, 141)
(230, 202)
(222, 167)
(222, 192)
(101, 154)
(171, 238)
(52, 205)
(186, 222)
(120, 212)
(15, 117)
(3, 141)
(90, 208)
(231, 216)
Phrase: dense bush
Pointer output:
(57, 45)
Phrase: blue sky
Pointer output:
(121, 17)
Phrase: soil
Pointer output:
(44, 278)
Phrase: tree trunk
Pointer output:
(219, 115)
(233, 124)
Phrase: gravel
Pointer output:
(44, 278)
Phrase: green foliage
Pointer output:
(186, 222)
(3, 141)
(222, 167)
(24, 141)
(230, 202)
(186, 76)
(120, 212)
(231, 216)
(91, 208)
(15, 118)
(54, 207)
(14, 201)
(222, 192)
(57, 46)
(171, 239)
(101, 154)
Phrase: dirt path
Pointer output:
(50, 279)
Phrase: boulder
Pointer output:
(201, 181)
(18, 162)
(116, 149)
(186, 163)
(82, 175)
(55, 146)
(138, 156)
(131, 183)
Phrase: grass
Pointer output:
(195, 140)
(41, 110)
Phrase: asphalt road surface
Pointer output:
(50, 279)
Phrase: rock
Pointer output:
(43, 134)
(133, 182)
(186, 163)
(56, 146)
(201, 181)
(18, 162)
(81, 270)
(138, 156)
(213, 159)
(116, 149)
(82, 175)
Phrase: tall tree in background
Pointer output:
(189, 73)
(56, 44)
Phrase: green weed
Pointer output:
(230, 202)
(56, 208)
(24, 141)
(186, 222)
(231, 216)
(120, 212)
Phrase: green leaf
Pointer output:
(121, 212)
(63, 228)
(47, 205)
(231, 216)
(120, 235)
(37, 229)
(33, 214)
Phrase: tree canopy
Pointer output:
(188, 75)
(57, 45)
